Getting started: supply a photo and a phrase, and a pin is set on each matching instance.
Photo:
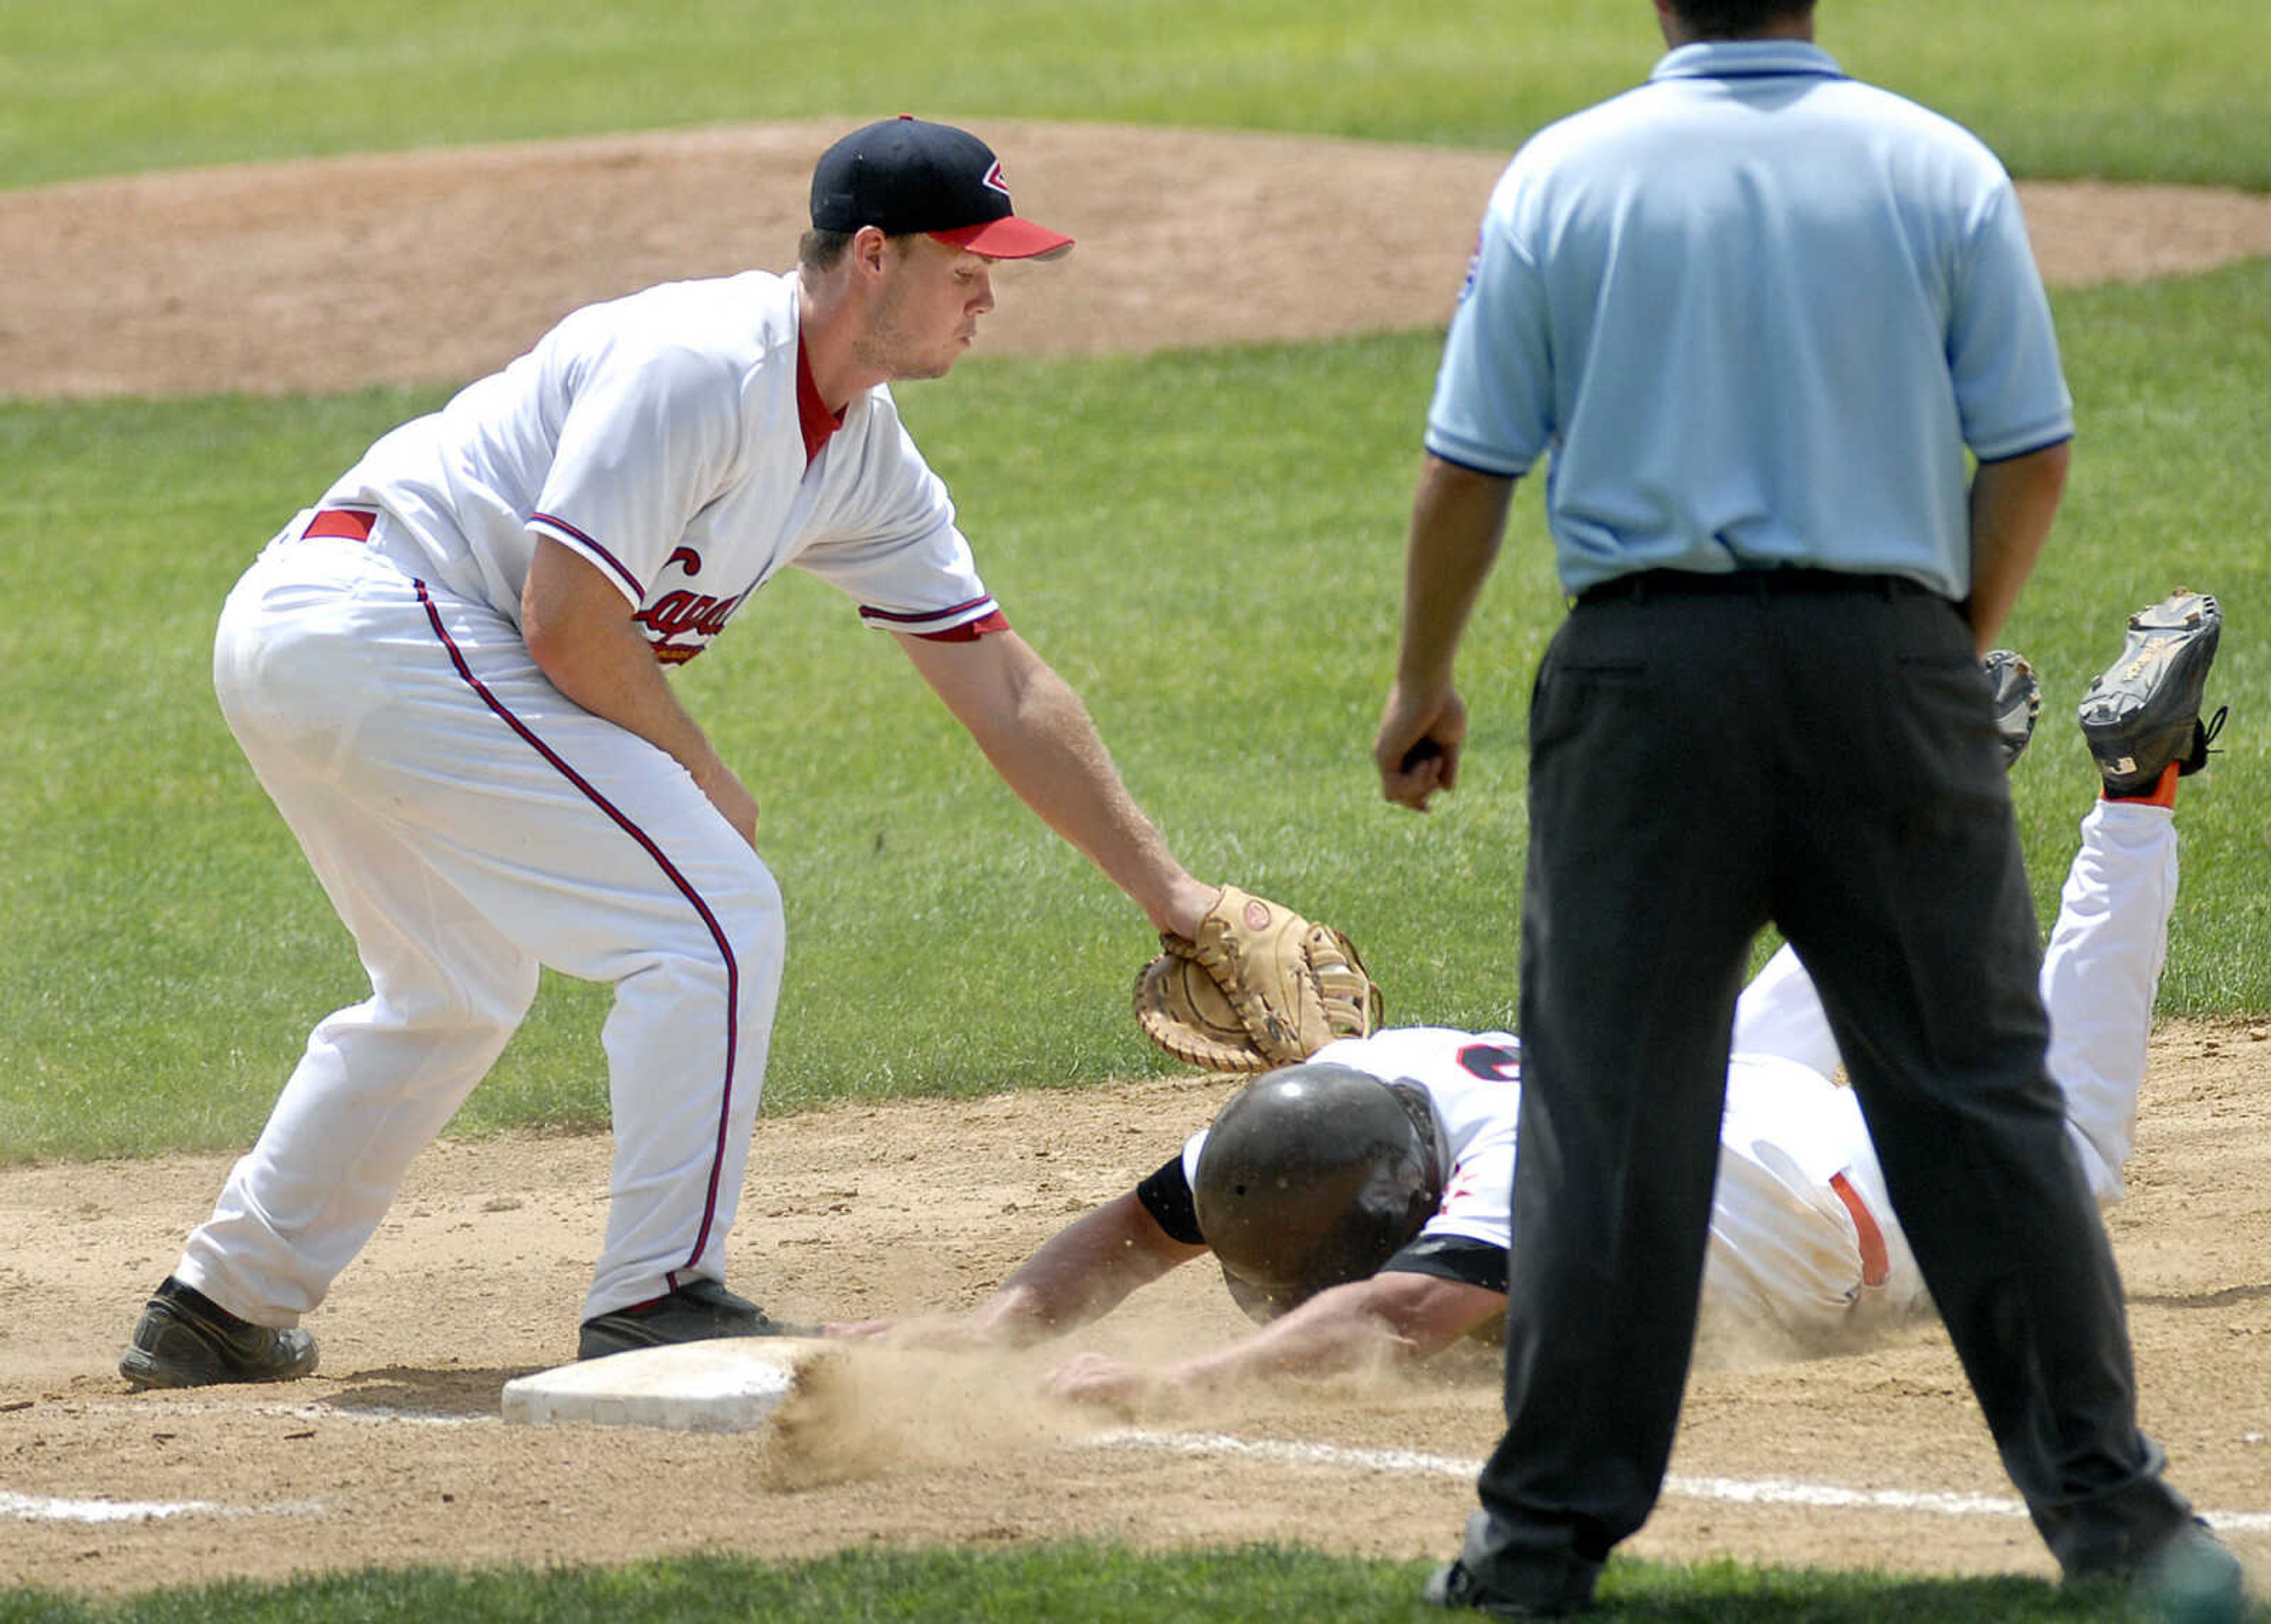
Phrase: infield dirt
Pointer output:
(428, 267)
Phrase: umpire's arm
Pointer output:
(1458, 518)
(2012, 502)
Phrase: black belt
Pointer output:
(1643, 584)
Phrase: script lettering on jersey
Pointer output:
(1491, 1062)
(681, 623)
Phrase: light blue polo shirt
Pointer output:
(1755, 311)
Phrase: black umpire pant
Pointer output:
(1709, 753)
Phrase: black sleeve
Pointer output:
(1166, 1197)
(1453, 1257)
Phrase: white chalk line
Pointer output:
(1732, 1491)
(1729, 1491)
(99, 1511)
(53, 1508)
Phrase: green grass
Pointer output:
(1093, 1583)
(1207, 544)
(2114, 87)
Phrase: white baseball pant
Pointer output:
(469, 822)
(1790, 1248)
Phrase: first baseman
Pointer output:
(1359, 1204)
(449, 675)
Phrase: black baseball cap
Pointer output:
(905, 174)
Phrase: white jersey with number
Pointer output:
(658, 436)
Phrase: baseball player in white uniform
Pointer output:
(1406, 1248)
(449, 674)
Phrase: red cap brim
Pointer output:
(1007, 238)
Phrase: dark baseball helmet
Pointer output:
(1313, 1175)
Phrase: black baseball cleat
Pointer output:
(698, 1311)
(2144, 712)
(2017, 697)
(186, 1339)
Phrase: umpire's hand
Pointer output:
(1417, 748)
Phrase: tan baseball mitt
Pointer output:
(1261, 987)
(1181, 1009)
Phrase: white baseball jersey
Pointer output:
(1805, 1253)
(470, 822)
(664, 437)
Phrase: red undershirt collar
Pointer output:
(812, 413)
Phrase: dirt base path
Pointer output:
(392, 1453)
(437, 266)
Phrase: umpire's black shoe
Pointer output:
(1453, 1587)
(187, 1339)
(1459, 1586)
(2191, 1576)
(695, 1312)
(2188, 1576)
(2144, 712)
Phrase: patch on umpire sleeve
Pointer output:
(1166, 1197)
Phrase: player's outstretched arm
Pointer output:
(1081, 1273)
(1404, 1317)
(1037, 735)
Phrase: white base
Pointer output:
(726, 1385)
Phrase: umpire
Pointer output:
(1757, 312)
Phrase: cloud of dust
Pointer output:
(863, 1410)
